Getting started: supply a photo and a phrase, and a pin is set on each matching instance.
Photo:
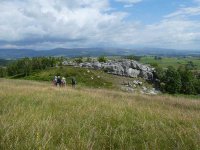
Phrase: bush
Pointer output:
(3, 72)
(89, 59)
(102, 59)
(187, 81)
(172, 81)
(79, 60)
(197, 86)
(190, 65)
(158, 58)
(158, 74)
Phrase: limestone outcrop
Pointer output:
(128, 68)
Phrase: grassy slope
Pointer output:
(37, 116)
(173, 61)
(85, 77)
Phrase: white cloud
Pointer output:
(129, 1)
(21, 20)
(128, 5)
(185, 12)
(44, 24)
(173, 33)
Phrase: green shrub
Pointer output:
(102, 59)
(187, 81)
(172, 81)
(3, 72)
(79, 60)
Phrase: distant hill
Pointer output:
(76, 52)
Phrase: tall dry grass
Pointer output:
(35, 115)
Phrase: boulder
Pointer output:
(115, 69)
(134, 64)
(127, 89)
(146, 75)
(87, 65)
(97, 65)
(126, 64)
(133, 73)
(136, 82)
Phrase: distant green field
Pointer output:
(171, 61)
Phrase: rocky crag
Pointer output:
(127, 68)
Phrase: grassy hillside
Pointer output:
(85, 77)
(36, 115)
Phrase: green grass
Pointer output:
(85, 77)
(171, 61)
(36, 115)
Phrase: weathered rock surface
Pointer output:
(125, 67)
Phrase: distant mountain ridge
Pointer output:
(77, 52)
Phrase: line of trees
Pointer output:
(178, 81)
(133, 57)
(26, 66)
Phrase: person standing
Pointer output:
(63, 82)
(59, 81)
(73, 82)
(55, 81)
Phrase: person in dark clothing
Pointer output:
(59, 81)
(73, 82)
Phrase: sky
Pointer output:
(47, 24)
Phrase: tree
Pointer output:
(102, 59)
(187, 81)
(3, 72)
(190, 65)
(27, 66)
(157, 58)
(197, 86)
(159, 76)
(172, 81)
(89, 59)
(12, 69)
(79, 60)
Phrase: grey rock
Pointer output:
(127, 89)
(136, 82)
(122, 67)
(97, 65)
(133, 73)
(147, 75)
(86, 65)
(153, 91)
(134, 64)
